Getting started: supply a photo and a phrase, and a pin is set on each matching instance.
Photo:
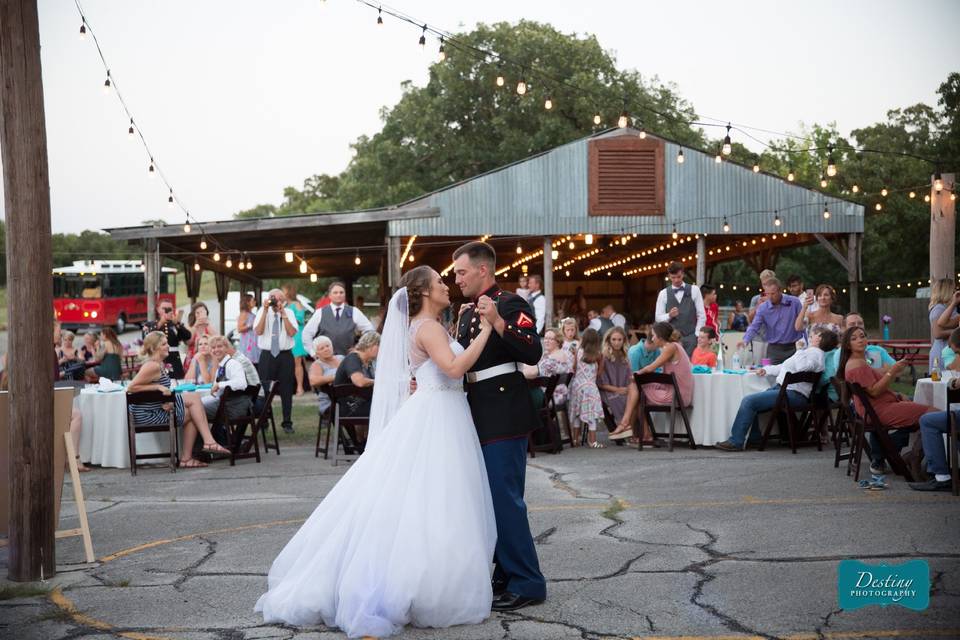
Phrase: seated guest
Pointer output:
(737, 321)
(571, 336)
(644, 352)
(355, 369)
(203, 366)
(554, 361)
(809, 359)
(948, 357)
(705, 352)
(69, 358)
(614, 375)
(932, 427)
(111, 366)
(90, 346)
(229, 375)
(877, 356)
(673, 358)
(249, 368)
(323, 370)
(893, 411)
(187, 409)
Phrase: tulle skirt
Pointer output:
(405, 537)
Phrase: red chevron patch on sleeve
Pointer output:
(524, 321)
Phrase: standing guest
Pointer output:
(617, 319)
(613, 378)
(90, 346)
(944, 316)
(585, 406)
(737, 321)
(109, 356)
(673, 359)
(356, 369)
(248, 337)
(599, 323)
(198, 321)
(705, 352)
(794, 285)
(299, 352)
(893, 411)
(523, 287)
(169, 323)
(275, 326)
(577, 308)
(777, 316)
(759, 342)
(187, 409)
(338, 321)
(555, 361)
(932, 427)
(229, 375)
(711, 309)
(323, 370)
(681, 305)
(876, 356)
(571, 335)
(643, 353)
(203, 366)
(822, 316)
(537, 302)
(809, 359)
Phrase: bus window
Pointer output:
(91, 289)
(164, 283)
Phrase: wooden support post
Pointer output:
(943, 230)
(222, 281)
(26, 182)
(548, 280)
(701, 260)
(853, 269)
(393, 264)
(151, 272)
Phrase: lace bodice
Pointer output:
(428, 375)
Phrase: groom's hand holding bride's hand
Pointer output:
(488, 311)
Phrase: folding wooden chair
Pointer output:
(808, 412)
(133, 428)
(238, 442)
(953, 397)
(326, 416)
(564, 379)
(345, 427)
(676, 406)
(266, 414)
(870, 422)
(842, 425)
(547, 415)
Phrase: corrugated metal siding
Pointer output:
(547, 195)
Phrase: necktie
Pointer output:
(275, 336)
(221, 372)
(338, 315)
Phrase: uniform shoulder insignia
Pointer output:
(524, 321)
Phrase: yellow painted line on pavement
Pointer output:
(745, 501)
(830, 635)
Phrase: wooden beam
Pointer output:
(943, 230)
(23, 141)
(701, 260)
(853, 270)
(833, 251)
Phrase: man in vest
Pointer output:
(681, 305)
(536, 300)
(230, 375)
(599, 323)
(338, 321)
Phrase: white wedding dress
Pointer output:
(407, 535)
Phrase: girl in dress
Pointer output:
(585, 406)
(614, 376)
(198, 322)
(571, 335)
(248, 337)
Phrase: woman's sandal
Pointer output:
(191, 463)
(597, 445)
(620, 434)
(216, 447)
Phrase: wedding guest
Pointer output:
(777, 316)
(584, 406)
(711, 309)
(338, 321)
(643, 353)
(681, 305)
(614, 375)
(794, 285)
(571, 335)
(673, 359)
(949, 359)
(187, 409)
(168, 322)
(299, 351)
(577, 307)
(809, 359)
(229, 375)
(876, 355)
(944, 316)
(90, 346)
(759, 343)
(537, 302)
(275, 326)
(705, 352)
(555, 361)
(203, 366)
(894, 412)
(198, 321)
(611, 314)
(822, 316)
(523, 288)
(109, 355)
(932, 427)
(737, 321)
(249, 368)
(323, 370)
(69, 358)
(356, 369)
(599, 323)
(248, 337)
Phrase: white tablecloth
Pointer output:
(103, 438)
(933, 394)
(716, 399)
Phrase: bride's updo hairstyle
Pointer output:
(418, 282)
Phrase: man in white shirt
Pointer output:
(537, 301)
(809, 359)
(338, 321)
(617, 319)
(230, 375)
(681, 305)
(275, 326)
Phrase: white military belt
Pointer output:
(493, 372)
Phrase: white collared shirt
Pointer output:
(310, 331)
(618, 320)
(539, 308)
(263, 340)
(662, 315)
(809, 359)
(234, 378)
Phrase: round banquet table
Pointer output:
(103, 438)
(933, 394)
(716, 399)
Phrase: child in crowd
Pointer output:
(948, 356)
(705, 351)
(584, 404)
(643, 353)
(710, 307)
(571, 335)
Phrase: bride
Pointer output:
(407, 535)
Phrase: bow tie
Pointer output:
(675, 290)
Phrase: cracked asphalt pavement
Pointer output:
(633, 544)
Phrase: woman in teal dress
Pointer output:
(299, 353)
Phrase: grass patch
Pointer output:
(612, 512)
(22, 591)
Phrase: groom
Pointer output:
(504, 414)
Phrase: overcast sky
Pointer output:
(239, 99)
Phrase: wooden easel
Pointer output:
(62, 455)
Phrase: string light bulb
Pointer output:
(831, 163)
(519, 249)
(106, 83)
(303, 266)
(441, 53)
(548, 103)
(216, 256)
(186, 226)
(130, 131)
(571, 245)
(249, 263)
(588, 239)
(791, 176)
(228, 263)
(313, 277)
(776, 219)
(170, 200)
(196, 265)
(912, 194)
(83, 31)
(643, 132)
(726, 226)
(554, 254)
(826, 213)
(410, 258)
(823, 181)
(926, 198)
(356, 259)
(884, 192)
(718, 158)
(727, 147)
(203, 244)
(241, 265)
(500, 79)
(878, 207)
(151, 171)
(937, 181)
(680, 156)
(423, 37)
(623, 120)
(855, 189)
(756, 166)
(288, 256)
(597, 119)
(674, 234)
(379, 22)
(521, 86)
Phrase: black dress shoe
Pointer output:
(499, 587)
(511, 602)
(932, 485)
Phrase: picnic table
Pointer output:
(915, 352)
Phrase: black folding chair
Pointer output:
(675, 407)
(547, 415)
(326, 416)
(134, 428)
(266, 415)
(808, 412)
(870, 422)
(345, 427)
(238, 442)
(953, 397)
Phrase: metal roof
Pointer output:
(547, 194)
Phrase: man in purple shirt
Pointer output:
(777, 316)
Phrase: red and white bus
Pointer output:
(109, 293)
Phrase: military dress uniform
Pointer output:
(504, 415)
